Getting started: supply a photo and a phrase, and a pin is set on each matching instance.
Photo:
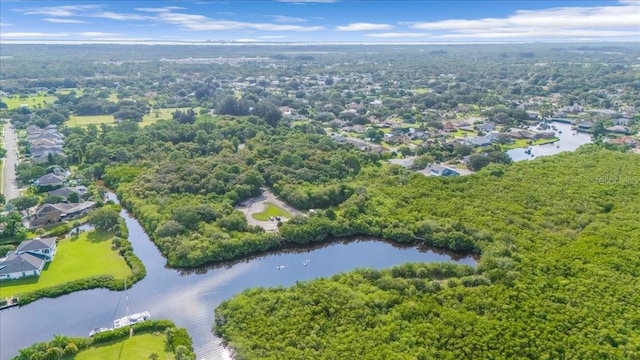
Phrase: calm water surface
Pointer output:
(189, 298)
(570, 140)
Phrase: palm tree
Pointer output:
(154, 356)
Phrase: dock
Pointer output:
(9, 302)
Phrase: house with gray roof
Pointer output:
(28, 259)
(50, 180)
(479, 141)
(66, 191)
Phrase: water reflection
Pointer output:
(189, 298)
(570, 140)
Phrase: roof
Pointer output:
(14, 263)
(479, 140)
(50, 179)
(65, 191)
(36, 244)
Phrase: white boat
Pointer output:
(126, 320)
(306, 262)
(131, 319)
(280, 267)
(98, 330)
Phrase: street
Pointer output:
(9, 187)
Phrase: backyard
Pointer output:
(88, 255)
(134, 348)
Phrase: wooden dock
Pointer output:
(9, 302)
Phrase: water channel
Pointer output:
(570, 140)
(189, 298)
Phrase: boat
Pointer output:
(126, 320)
(98, 330)
(306, 262)
(131, 319)
(280, 267)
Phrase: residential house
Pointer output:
(622, 121)
(397, 139)
(625, 140)
(618, 129)
(449, 127)
(440, 170)
(52, 180)
(585, 126)
(66, 191)
(407, 163)
(486, 127)
(479, 141)
(28, 259)
(53, 213)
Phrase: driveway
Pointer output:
(258, 204)
(9, 187)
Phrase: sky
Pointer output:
(364, 21)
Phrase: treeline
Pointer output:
(182, 181)
(557, 278)
(176, 339)
(125, 249)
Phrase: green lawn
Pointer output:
(523, 143)
(82, 121)
(271, 210)
(138, 347)
(88, 255)
(14, 101)
(153, 116)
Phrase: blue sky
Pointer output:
(320, 20)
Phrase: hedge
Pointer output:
(70, 346)
(138, 272)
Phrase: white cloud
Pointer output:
(64, 21)
(95, 34)
(272, 37)
(399, 35)
(246, 40)
(5, 24)
(197, 22)
(31, 35)
(622, 19)
(364, 27)
(286, 19)
(119, 16)
(59, 11)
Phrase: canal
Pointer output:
(570, 140)
(189, 298)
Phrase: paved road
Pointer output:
(258, 204)
(9, 187)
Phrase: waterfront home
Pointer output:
(52, 180)
(49, 214)
(440, 170)
(28, 259)
(479, 141)
(618, 129)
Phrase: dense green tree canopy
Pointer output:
(558, 275)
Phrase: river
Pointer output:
(189, 298)
(570, 140)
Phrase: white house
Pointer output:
(28, 259)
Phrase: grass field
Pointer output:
(83, 121)
(271, 210)
(138, 347)
(155, 115)
(14, 101)
(76, 258)
(523, 143)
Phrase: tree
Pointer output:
(478, 161)
(24, 202)
(105, 218)
(74, 197)
(374, 135)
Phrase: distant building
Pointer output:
(28, 259)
